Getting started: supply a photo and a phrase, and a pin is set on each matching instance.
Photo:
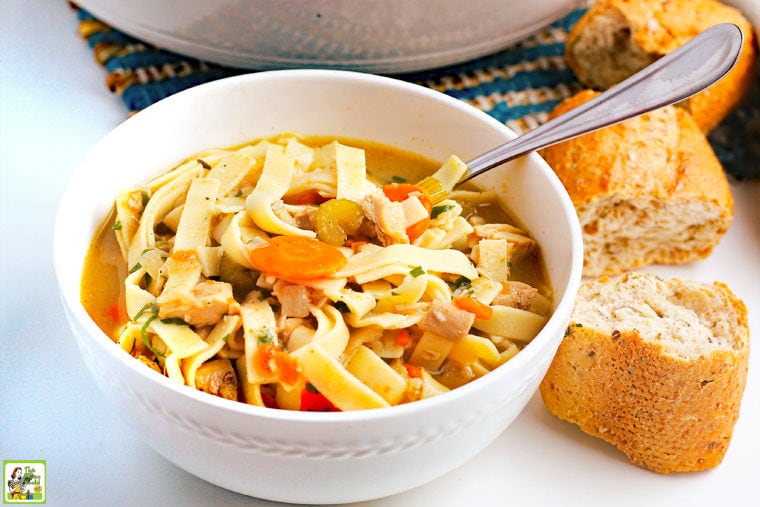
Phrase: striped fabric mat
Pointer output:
(518, 86)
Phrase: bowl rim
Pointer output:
(75, 310)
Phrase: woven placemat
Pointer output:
(518, 86)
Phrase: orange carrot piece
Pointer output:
(296, 258)
(413, 371)
(415, 230)
(270, 359)
(286, 368)
(480, 310)
(262, 358)
(403, 338)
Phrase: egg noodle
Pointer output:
(282, 275)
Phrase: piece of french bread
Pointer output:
(648, 190)
(655, 367)
(616, 38)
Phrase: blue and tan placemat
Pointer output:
(518, 86)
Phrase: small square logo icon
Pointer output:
(24, 482)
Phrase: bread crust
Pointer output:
(658, 159)
(645, 30)
(666, 413)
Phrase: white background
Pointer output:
(54, 106)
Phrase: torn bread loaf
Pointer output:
(616, 38)
(655, 367)
(648, 190)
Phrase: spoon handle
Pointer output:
(682, 73)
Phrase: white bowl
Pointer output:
(367, 35)
(300, 456)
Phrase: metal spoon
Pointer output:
(686, 71)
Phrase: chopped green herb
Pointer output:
(239, 193)
(203, 163)
(265, 337)
(146, 251)
(148, 307)
(174, 320)
(135, 268)
(398, 179)
(342, 307)
(441, 208)
(226, 338)
(116, 226)
(311, 388)
(578, 324)
(144, 330)
(462, 283)
(417, 271)
(145, 198)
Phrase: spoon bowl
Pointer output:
(688, 70)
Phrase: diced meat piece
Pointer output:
(388, 218)
(204, 305)
(520, 243)
(294, 300)
(305, 217)
(447, 320)
(218, 378)
(517, 295)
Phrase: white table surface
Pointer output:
(53, 108)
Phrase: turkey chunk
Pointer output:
(203, 305)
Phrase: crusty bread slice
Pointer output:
(649, 190)
(616, 38)
(655, 367)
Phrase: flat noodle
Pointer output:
(384, 328)
(215, 340)
(272, 185)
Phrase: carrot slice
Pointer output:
(480, 310)
(296, 258)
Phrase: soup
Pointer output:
(308, 273)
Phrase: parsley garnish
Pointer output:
(144, 331)
(311, 388)
(265, 337)
(398, 179)
(174, 320)
(417, 271)
(441, 208)
(134, 268)
(461, 283)
(145, 198)
(116, 226)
